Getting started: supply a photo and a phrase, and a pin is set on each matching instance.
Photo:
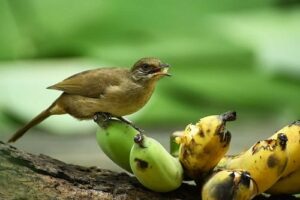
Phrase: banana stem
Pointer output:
(229, 116)
(139, 139)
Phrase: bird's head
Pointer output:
(147, 69)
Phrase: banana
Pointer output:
(153, 166)
(292, 132)
(115, 138)
(289, 183)
(229, 184)
(265, 161)
(204, 144)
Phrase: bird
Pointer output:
(115, 91)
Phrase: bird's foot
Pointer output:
(141, 131)
(101, 118)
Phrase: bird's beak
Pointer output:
(164, 67)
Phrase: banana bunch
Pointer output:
(269, 166)
(204, 144)
(273, 165)
(229, 184)
(154, 166)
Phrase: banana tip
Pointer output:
(297, 122)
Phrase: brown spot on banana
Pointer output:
(141, 164)
(201, 133)
(272, 161)
(224, 191)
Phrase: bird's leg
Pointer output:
(141, 131)
(102, 118)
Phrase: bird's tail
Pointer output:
(53, 109)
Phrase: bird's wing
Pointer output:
(91, 83)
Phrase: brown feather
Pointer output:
(91, 83)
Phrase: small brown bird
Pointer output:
(116, 91)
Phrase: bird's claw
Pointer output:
(101, 118)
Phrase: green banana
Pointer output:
(174, 146)
(153, 166)
(115, 138)
(229, 184)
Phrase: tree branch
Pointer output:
(28, 176)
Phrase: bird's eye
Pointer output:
(146, 67)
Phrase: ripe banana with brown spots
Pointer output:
(292, 133)
(289, 183)
(265, 161)
(204, 144)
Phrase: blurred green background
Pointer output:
(225, 55)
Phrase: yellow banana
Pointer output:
(153, 166)
(229, 184)
(265, 161)
(287, 185)
(115, 138)
(204, 144)
(292, 132)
